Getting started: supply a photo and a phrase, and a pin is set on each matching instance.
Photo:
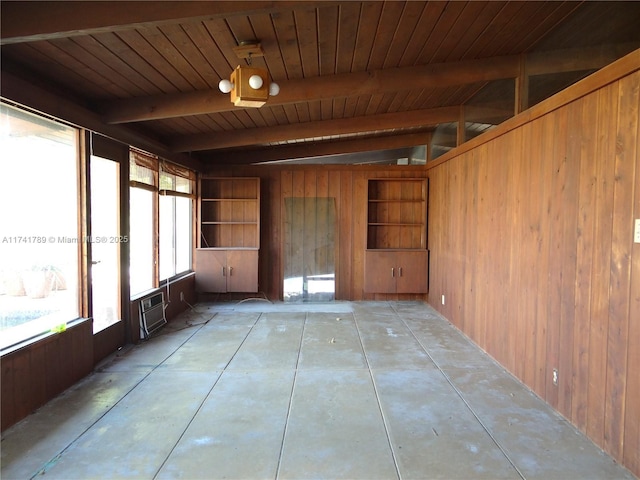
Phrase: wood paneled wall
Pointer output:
(348, 185)
(531, 238)
(33, 375)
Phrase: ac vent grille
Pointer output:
(152, 315)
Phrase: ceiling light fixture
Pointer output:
(249, 86)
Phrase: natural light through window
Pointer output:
(39, 238)
(141, 240)
(175, 225)
(105, 247)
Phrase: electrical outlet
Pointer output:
(554, 376)
(182, 296)
(636, 232)
(443, 299)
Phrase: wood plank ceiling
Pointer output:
(354, 76)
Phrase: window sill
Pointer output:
(18, 345)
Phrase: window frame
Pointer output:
(162, 167)
(43, 327)
(178, 172)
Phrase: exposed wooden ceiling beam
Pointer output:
(315, 149)
(344, 126)
(28, 21)
(318, 88)
(367, 83)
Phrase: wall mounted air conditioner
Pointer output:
(151, 314)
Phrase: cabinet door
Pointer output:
(242, 270)
(380, 271)
(211, 271)
(412, 271)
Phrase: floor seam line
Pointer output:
(459, 393)
(195, 414)
(375, 391)
(293, 386)
(55, 458)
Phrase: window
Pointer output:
(176, 207)
(161, 218)
(143, 175)
(39, 229)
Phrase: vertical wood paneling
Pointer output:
(31, 376)
(470, 207)
(568, 257)
(358, 232)
(527, 260)
(333, 191)
(500, 254)
(22, 369)
(345, 263)
(513, 217)
(524, 262)
(602, 209)
(39, 391)
(631, 457)
(622, 238)
(584, 261)
(273, 242)
(456, 227)
(8, 414)
(531, 232)
(479, 328)
(558, 209)
(544, 205)
(511, 249)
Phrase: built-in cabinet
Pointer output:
(228, 234)
(225, 271)
(395, 271)
(396, 259)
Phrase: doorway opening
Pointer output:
(105, 242)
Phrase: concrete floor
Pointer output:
(339, 390)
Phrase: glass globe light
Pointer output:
(255, 82)
(225, 86)
(274, 89)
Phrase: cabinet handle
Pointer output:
(224, 273)
(392, 272)
(399, 271)
(230, 271)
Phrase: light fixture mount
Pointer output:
(249, 49)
